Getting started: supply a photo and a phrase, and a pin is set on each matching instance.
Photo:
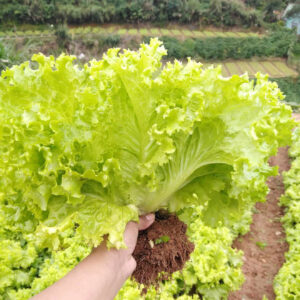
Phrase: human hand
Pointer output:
(130, 239)
(102, 273)
(124, 263)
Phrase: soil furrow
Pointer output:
(264, 245)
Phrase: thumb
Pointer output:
(146, 221)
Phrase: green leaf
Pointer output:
(261, 245)
(162, 239)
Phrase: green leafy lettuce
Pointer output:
(85, 150)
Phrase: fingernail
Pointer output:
(149, 217)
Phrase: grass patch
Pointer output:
(188, 33)
(144, 31)
(122, 31)
(176, 32)
(165, 31)
(261, 245)
(155, 31)
(132, 31)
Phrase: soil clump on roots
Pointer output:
(163, 247)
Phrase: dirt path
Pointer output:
(264, 246)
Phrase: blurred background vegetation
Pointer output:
(204, 12)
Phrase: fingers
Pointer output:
(146, 221)
(132, 228)
(130, 235)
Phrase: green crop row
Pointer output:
(291, 89)
(276, 44)
(183, 33)
(287, 281)
(25, 33)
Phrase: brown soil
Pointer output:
(261, 264)
(154, 256)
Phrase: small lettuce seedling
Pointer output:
(261, 245)
(162, 239)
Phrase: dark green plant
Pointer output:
(275, 44)
(269, 9)
(216, 12)
(16, 52)
(290, 88)
(254, 3)
(8, 55)
(295, 48)
(109, 40)
(4, 61)
(62, 36)
(89, 43)
(2, 51)
(174, 47)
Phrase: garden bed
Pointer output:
(264, 245)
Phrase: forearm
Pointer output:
(100, 275)
(97, 277)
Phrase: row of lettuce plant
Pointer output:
(287, 281)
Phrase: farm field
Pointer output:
(264, 245)
(133, 31)
(176, 31)
(275, 68)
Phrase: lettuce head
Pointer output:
(85, 150)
